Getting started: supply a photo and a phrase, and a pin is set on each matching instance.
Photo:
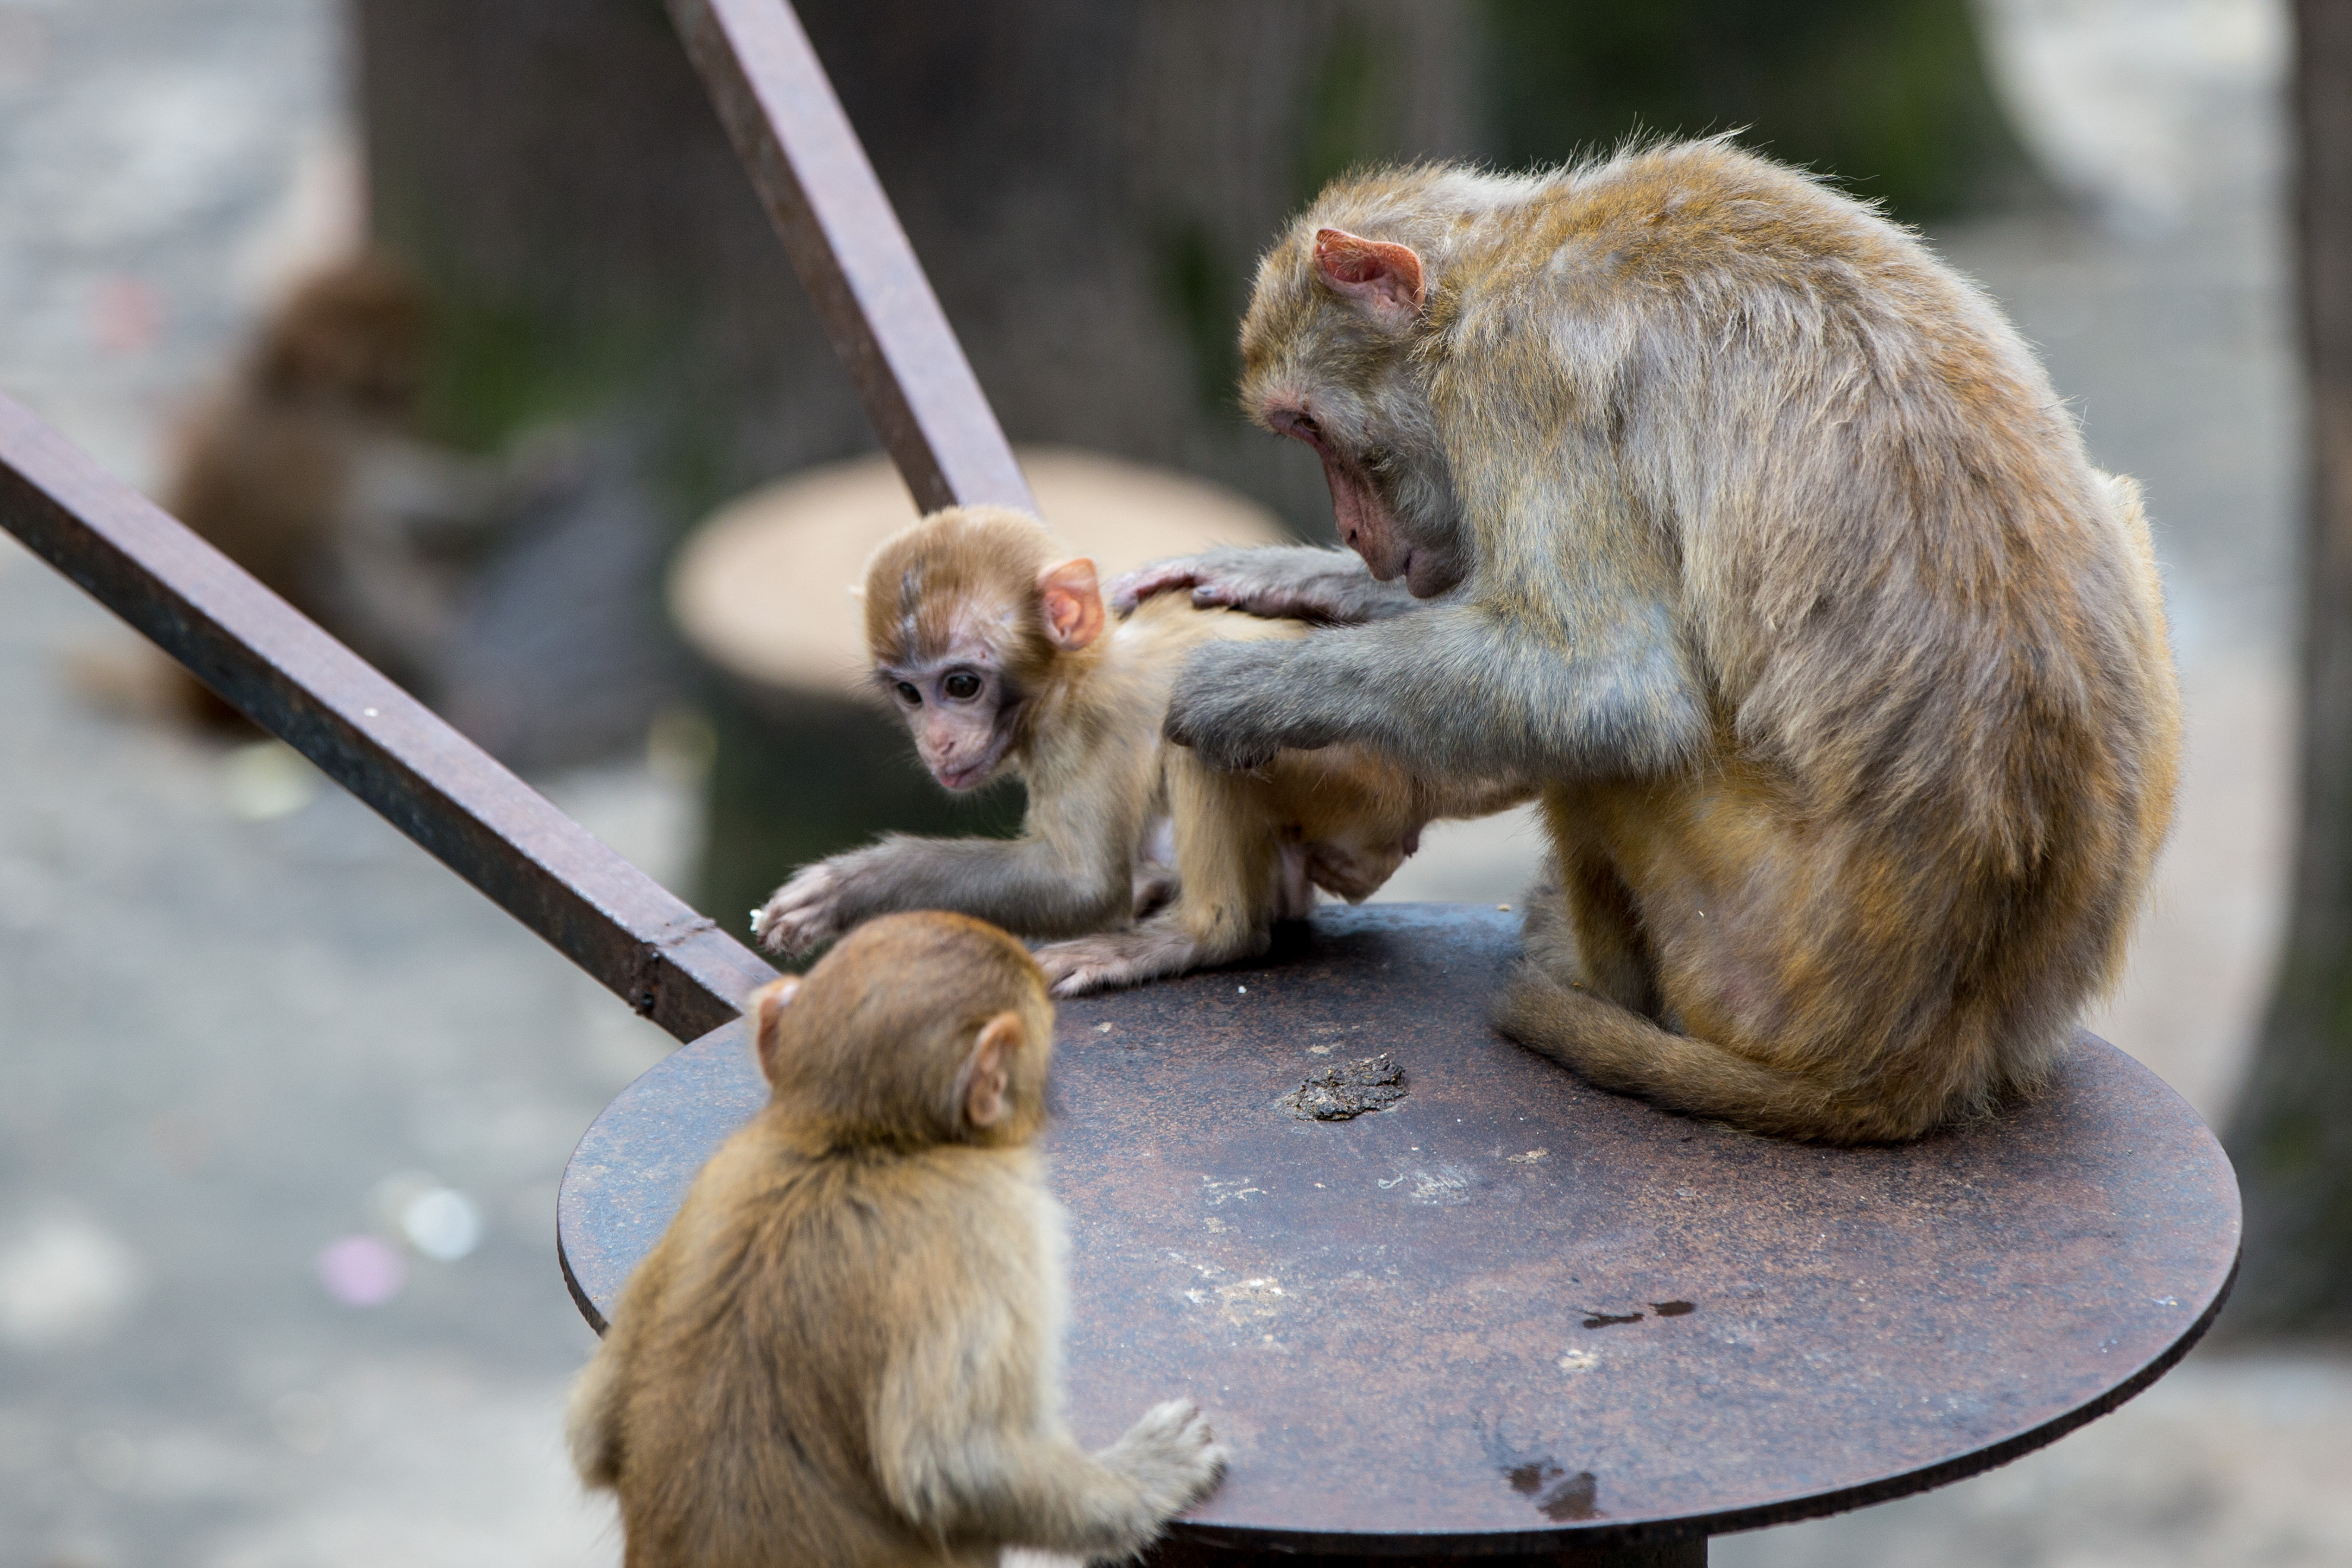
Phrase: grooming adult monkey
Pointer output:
(845, 1349)
(997, 657)
(1760, 535)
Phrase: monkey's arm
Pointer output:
(966, 1438)
(1282, 582)
(1459, 687)
(1045, 1491)
(1066, 875)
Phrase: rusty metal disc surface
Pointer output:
(1511, 1312)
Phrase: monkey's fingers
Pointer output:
(791, 937)
(773, 931)
(1130, 589)
(1173, 1453)
(1221, 751)
(799, 916)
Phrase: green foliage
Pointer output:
(1201, 293)
(1348, 118)
(1888, 95)
(1346, 108)
(498, 369)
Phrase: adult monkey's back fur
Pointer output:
(1762, 535)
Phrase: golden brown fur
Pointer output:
(1760, 535)
(844, 1351)
(961, 589)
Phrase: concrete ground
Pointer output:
(267, 1063)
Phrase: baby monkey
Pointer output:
(843, 1349)
(1000, 660)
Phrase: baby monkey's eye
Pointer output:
(963, 686)
(910, 694)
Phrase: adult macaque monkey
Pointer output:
(1760, 535)
(1000, 660)
(844, 1350)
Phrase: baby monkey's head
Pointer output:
(966, 613)
(915, 1029)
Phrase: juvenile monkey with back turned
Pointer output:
(845, 1348)
(1759, 536)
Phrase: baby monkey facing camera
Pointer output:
(1000, 660)
(845, 1349)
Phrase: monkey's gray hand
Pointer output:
(1233, 705)
(804, 912)
(1170, 1455)
(1276, 581)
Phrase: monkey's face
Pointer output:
(1374, 491)
(960, 709)
(1327, 360)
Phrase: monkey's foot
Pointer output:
(1154, 952)
(800, 914)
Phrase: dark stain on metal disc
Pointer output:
(1603, 1319)
(1575, 1498)
(1347, 1089)
(1559, 1495)
(1672, 1309)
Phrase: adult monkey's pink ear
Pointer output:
(1074, 606)
(1380, 273)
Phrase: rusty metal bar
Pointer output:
(280, 670)
(844, 240)
(669, 963)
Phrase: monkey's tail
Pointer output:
(1617, 1048)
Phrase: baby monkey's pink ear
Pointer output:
(1074, 606)
(1382, 274)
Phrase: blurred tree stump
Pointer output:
(2291, 1137)
(808, 762)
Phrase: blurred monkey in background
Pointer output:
(305, 468)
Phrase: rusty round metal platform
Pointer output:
(1515, 1314)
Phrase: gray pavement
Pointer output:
(232, 1002)
(223, 1034)
(243, 1022)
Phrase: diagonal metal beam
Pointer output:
(439, 788)
(853, 256)
(286, 675)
